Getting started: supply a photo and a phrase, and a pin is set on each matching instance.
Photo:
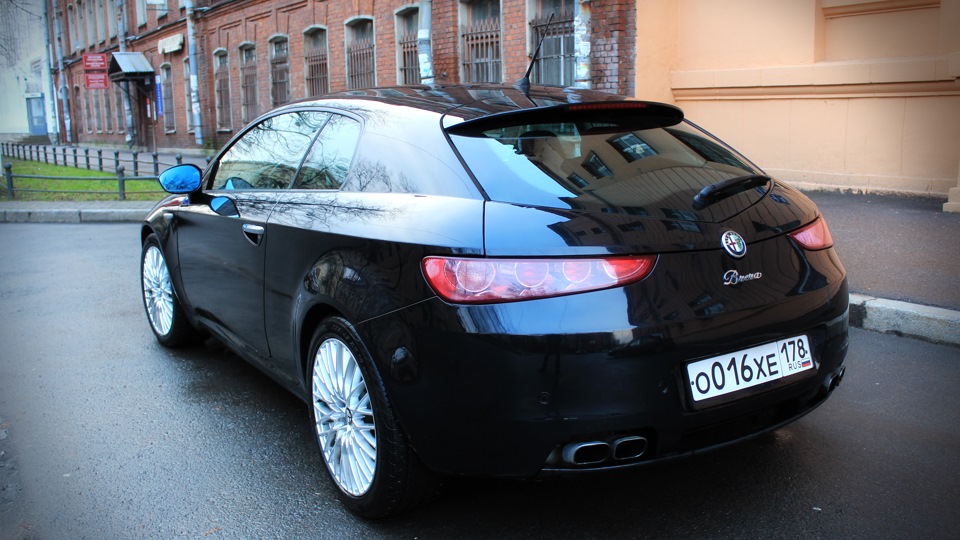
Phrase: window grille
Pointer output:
(221, 84)
(89, 115)
(556, 64)
(481, 51)
(79, 103)
(361, 63)
(407, 45)
(166, 87)
(108, 110)
(315, 56)
(248, 84)
(97, 111)
(410, 62)
(280, 73)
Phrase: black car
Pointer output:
(492, 280)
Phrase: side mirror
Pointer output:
(181, 179)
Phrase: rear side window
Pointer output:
(268, 154)
(328, 161)
(597, 165)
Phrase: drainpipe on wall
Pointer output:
(194, 87)
(424, 46)
(63, 93)
(581, 44)
(50, 102)
(122, 39)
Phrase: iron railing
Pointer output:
(556, 64)
(361, 66)
(317, 77)
(149, 164)
(410, 61)
(481, 51)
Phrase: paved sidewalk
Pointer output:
(73, 211)
(900, 254)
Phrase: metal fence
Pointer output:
(143, 165)
(90, 159)
(120, 179)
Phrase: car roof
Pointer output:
(470, 101)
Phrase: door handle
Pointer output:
(254, 233)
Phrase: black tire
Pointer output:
(164, 312)
(398, 482)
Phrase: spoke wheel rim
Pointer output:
(157, 291)
(344, 418)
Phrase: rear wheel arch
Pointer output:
(309, 323)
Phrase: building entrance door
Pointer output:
(36, 116)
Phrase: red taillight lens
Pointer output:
(485, 281)
(814, 236)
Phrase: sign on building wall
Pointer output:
(96, 62)
(96, 81)
(170, 44)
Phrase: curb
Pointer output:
(118, 215)
(933, 324)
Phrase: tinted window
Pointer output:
(601, 166)
(328, 161)
(267, 156)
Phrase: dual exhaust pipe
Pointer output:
(596, 452)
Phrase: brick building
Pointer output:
(253, 55)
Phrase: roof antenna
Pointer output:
(523, 84)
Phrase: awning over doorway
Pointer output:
(130, 66)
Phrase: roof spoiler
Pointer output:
(593, 117)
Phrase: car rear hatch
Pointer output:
(615, 177)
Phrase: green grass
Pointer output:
(89, 188)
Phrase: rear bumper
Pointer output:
(501, 389)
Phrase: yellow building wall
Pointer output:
(858, 95)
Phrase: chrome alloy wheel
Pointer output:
(157, 291)
(344, 417)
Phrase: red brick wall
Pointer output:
(613, 25)
(228, 24)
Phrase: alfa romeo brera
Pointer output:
(497, 280)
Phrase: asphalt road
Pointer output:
(104, 434)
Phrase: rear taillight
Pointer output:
(814, 236)
(486, 281)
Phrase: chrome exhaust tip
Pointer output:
(630, 447)
(586, 453)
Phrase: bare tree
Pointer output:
(18, 20)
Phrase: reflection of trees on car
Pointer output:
(267, 156)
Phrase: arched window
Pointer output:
(79, 118)
(279, 71)
(315, 55)
(408, 62)
(166, 88)
(361, 58)
(480, 41)
(97, 110)
(187, 100)
(248, 83)
(221, 89)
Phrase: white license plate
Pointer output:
(739, 370)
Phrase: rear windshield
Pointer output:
(600, 166)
